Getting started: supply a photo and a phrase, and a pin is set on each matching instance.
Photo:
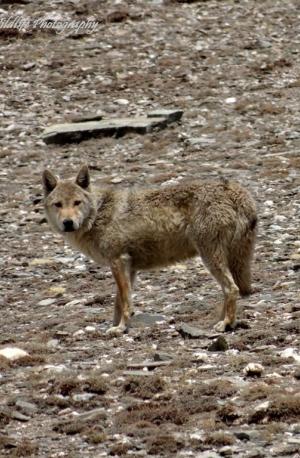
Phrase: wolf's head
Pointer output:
(69, 204)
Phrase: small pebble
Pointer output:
(230, 100)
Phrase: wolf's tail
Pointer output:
(241, 252)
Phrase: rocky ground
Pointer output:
(233, 67)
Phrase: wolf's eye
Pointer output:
(77, 202)
(58, 204)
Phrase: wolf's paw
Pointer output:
(220, 326)
(116, 330)
(223, 326)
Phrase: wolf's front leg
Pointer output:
(124, 276)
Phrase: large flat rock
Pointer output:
(76, 132)
(172, 115)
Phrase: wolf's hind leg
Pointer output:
(217, 264)
(241, 272)
(240, 257)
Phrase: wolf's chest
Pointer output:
(88, 247)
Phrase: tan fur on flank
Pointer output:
(135, 229)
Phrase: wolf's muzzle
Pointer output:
(68, 225)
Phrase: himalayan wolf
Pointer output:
(145, 228)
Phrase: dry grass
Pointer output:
(25, 448)
(201, 398)
(219, 388)
(273, 140)
(164, 444)
(227, 414)
(120, 449)
(29, 360)
(4, 416)
(155, 413)
(96, 437)
(144, 388)
(238, 362)
(241, 135)
(9, 33)
(189, 401)
(91, 428)
(70, 428)
(68, 384)
(54, 401)
(192, 405)
(256, 392)
(282, 408)
(4, 363)
(269, 108)
(285, 407)
(65, 386)
(219, 439)
(243, 105)
(95, 383)
(142, 429)
(17, 448)
(269, 66)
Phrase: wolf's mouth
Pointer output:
(69, 229)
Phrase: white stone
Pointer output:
(232, 352)
(83, 396)
(13, 353)
(230, 100)
(274, 375)
(253, 369)
(116, 180)
(280, 218)
(200, 356)
(80, 332)
(90, 328)
(196, 435)
(200, 45)
(46, 302)
(122, 101)
(52, 343)
(263, 405)
(74, 302)
(275, 227)
(55, 369)
(290, 353)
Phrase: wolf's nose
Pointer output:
(68, 225)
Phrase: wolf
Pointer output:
(146, 228)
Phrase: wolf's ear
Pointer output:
(83, 177)
(49, 181)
